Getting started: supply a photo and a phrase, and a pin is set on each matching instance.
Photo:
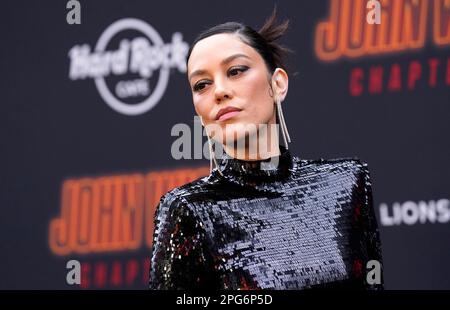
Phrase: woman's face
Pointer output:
(224, 72)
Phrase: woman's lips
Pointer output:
(228, 115)
(227, 112)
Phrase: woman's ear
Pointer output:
(280, 83)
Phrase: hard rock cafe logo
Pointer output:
(137, 70)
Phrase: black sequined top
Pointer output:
(298, 224)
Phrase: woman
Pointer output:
(262, 219)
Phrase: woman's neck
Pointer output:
(263, 144)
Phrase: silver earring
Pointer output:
(212, 158)
(284, 130)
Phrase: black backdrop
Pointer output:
(56, 130)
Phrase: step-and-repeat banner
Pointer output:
(92, 91)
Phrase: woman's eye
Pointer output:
(235, 71)
(199, 86)
(232, 72)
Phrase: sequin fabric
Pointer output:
(294, 225)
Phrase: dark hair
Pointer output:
(263, 40)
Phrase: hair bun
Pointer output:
(271, 31)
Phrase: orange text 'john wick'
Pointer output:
(404, 26)
(112, 213)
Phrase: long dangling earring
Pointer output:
(212, 155)
(284, 130)
(212, 158)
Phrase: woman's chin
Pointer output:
(239, 139)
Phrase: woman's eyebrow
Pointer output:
(230, 58)
(225, 61)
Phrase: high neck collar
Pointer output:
(260, 174)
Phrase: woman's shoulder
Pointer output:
(180, 196)
(331, 161)
(183, 196)
(338, 169)
(330, 164)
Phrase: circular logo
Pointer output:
(159, 89)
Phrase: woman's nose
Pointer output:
(222, 91)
